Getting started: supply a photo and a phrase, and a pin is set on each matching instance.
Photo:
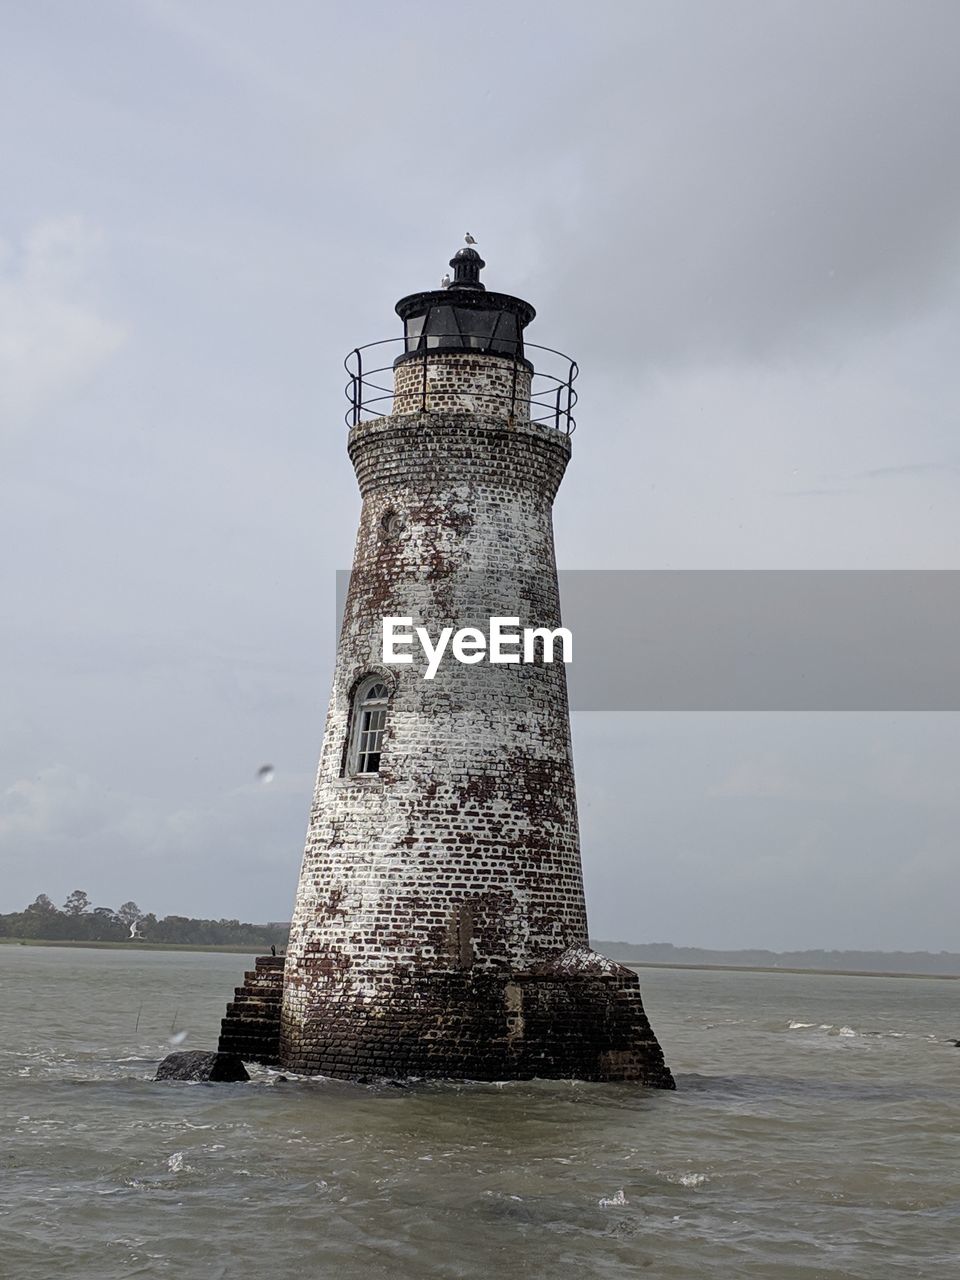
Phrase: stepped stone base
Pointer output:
(580, 1017)
(251, 1028)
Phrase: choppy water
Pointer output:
(815, 1132)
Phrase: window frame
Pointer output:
(368, 727)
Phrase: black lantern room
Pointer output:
(463, 316)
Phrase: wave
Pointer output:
(685, 1179)
(846, 1031)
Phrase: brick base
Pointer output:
(582, 1019)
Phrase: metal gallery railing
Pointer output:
(552, 395)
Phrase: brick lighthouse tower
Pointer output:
(440, 927)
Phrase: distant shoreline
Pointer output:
(770, 968)
(253, 950)
(232, 948)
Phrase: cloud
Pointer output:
(54, 805)
(53, 337)
(761, 181)
(911, 469)
(755, 780)
(63, 827)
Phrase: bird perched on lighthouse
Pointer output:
(468, 238)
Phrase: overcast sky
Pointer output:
(742, 218)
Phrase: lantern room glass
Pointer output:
(452, 328)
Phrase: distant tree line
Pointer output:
(79, 921)
(942, 962)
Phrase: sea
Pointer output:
(814, 1132)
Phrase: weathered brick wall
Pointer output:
(475, 800)
(489, 1026)
(463, 382)
(581, 1016)
(432, 892)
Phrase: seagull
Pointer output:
(469, 238)
(445, 282)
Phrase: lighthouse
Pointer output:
(440, 929)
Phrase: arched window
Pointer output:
(369, 724)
